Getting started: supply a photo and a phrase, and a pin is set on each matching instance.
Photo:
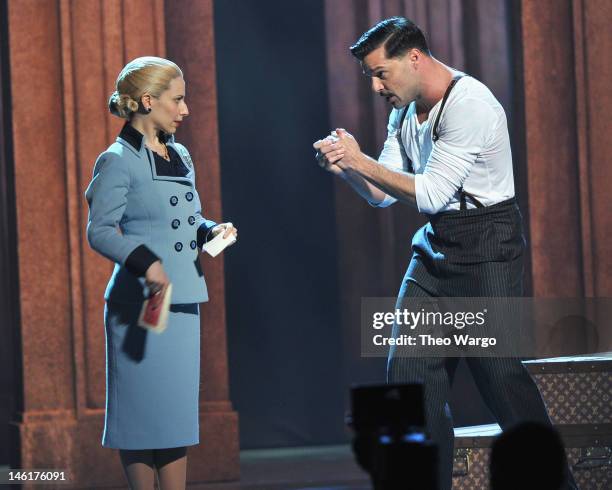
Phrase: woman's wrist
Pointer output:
(139, 261)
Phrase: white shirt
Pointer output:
(473, 150)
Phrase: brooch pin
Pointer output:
(186, 157)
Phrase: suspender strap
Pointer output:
(463, 202)
(463, 195)
(436, 136)
(401, 125)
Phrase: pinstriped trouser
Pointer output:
(504, 383)
(506, 386)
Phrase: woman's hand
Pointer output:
(156, 279)
(227, 227)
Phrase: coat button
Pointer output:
(173, 200)
(178, 246)
(176, 223)
(191, 220)
(189, 196)
(193, 244)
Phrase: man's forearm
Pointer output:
(398, 184)
(361, 186)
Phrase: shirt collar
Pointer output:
(134, 137)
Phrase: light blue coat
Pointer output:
(130, 205)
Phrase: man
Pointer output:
(447, 153)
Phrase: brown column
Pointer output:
(593, 71)
(64, 57)
(550, 108)
(566, 70)
(51, 327)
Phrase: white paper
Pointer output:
(215, 246)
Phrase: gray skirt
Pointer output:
(152, 380)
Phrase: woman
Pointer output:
(145, 215)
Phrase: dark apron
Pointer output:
(470, 252)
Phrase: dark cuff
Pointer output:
(140, 260)
(204, 234)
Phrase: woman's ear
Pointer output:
(145, 101)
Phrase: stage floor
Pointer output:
(307, 468)
(304, 468)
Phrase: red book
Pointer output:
(154, 313)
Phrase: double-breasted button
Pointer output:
(178, 246)
(176, 223)
(173, 201)
(193, 244)
(191, 220)
(189, 196)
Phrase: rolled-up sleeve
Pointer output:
(392, 155)
(107, 199)
(464, 129)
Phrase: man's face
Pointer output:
(396, 79)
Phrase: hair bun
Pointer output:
(122, 105)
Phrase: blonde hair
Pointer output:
(146, 74)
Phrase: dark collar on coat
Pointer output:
(134, 137)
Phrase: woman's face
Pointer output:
(169, 109)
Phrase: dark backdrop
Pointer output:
(10, 376)
(282, 295)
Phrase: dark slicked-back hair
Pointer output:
(398, 34)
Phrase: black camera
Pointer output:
(390, 442)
